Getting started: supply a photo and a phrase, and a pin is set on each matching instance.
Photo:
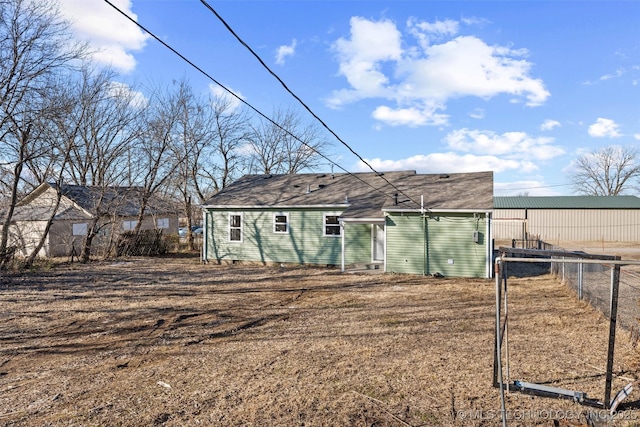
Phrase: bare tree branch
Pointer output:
(609, 171)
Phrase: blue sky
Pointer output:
(518, 87)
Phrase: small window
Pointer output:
(129, 225)
(281, 223)
(235, 228)
(80, 229)
(162, 223)
(331, 225)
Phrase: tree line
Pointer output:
(65, 121)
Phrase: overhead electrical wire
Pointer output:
(203, 72)
(243, 43)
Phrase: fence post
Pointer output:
(580, 275)
(613, 314)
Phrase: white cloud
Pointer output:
(637, 136)
(448, 162)
(619, 72)
(424, 78)
(477, 150)
(361, 57)
(510, 145)
(409, 116)
(284, 51)
(477, 113)
(108, 33)
(604, 128)
(136, 99)
(549, 124)
(425, 32)
(221, 94)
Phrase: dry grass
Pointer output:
(171, 342)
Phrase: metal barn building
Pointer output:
(567, 218)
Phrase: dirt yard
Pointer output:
(176, 343)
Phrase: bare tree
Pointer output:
(609, 171)
(35, 44)
(106, 116)
(219, 165)
(155, 151)
(285, 145)
(102, 125)
(209, 133)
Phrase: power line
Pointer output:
(534, 187)
(242, 42)
(251, 106)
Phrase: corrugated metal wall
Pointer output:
(553, 225)
(508, 224)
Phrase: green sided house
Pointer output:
(400, 222)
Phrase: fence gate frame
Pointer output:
(502, 329)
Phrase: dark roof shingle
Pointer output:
(365, 194)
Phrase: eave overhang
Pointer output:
(273, 207)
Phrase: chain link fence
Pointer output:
(593, 283)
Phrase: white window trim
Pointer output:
(129, 225)
(241, 227)
(284, 214)
(324, 224)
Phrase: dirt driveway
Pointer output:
(173, 342)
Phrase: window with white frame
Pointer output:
(80, 229)
(331, 226)
(235, 227)
(162, 223)
(129, 225)
(281, 223)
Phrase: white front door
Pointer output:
(378, 242)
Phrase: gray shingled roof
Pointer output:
(120, 201)
(568, 202)
(365, 194)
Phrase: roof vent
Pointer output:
(443, 176)
(308, 188)
(321, 185)
(268, 176)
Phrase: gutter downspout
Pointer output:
(205, 230)
(489, 243)
(424, 236)
(342, 227)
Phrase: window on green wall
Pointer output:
(281, 223)
(235, 227)
(331, 224)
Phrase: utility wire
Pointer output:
(242, 42)
(255, 109)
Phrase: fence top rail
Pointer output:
(566, 254)
(572, 261)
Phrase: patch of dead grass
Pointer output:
(172, 342)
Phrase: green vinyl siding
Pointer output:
(405, 244)
(357, 243)
(304, 242)
(449, 250)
